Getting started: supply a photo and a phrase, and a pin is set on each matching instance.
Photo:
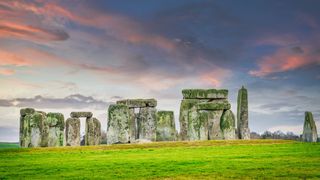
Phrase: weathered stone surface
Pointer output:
(132, 125)
(166, 129)
(185, 106)
(33, 128)
(213, 105)
(26, 111)
(147, 124)
(227, 125)
(197, 125)
(73, 132)
(242, 114)
(55, 122)
(81, 114)
(25, 131)
(38, 129)
(205, 93)
(118, 124)
(214, 131)
(138, 103)
(309, 129)
(93, 132)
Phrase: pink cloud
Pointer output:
(7, 72)
(284, 60)
(8, 58)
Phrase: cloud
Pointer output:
(7, 72)
(76, 101)
(285, 59)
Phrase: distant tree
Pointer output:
(266, 135)
(254, 135)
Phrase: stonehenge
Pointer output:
(242, 114)
(309, 129)
(118, 124)
(201, 113)
(40, 129)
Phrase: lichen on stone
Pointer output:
(205, 93)
(138, 103)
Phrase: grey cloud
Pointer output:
(77, 101)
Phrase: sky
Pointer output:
(83, 55)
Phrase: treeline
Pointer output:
(275, 135)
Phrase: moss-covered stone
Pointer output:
(213, 106)
(118, 124)
(55, 122)
(38, 129)
(309, 128)
(214, 131)
(26, 111)
(81, 114)
(185, 106)
(166, 129)
(205, 93)
(242, 114)
(73, 132)
(93, 132)
(132, 125)
(147, 124)
(227, 125)
(138, 103)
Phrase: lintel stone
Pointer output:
(205, 93)
(138, 103)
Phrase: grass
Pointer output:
(252, 159)
(8, 145)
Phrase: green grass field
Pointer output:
(8, 145)
(268, 159)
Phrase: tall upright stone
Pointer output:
(166, 129)
(185, 108)
(55, 122)
(227, 125)
(147, 124)
(118, 124)
(73, 132)
(309, 129)
(93, 132)
(242, 114)
(25, 130)
(38, 129)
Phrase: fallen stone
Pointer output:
(227, 125)
(309, 128)
(166, 129)
(55, 122)
(242, 114)
(93, 132)
(213, 106)
(81, 114)
(73, 132)
(205, 93)
(138, 103)
(147, 123)
(118, 124)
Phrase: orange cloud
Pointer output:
(283, 60)
(7, 72)
(8, 58)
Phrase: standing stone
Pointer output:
(166, 129)
(25, 131)
(37, 129)
(55, 122)
(147, 124)
(132, 125)
(309, 128)
(214, 131)
(242, 114)
(227, 125)
(93, 132)
(185, 106)
(73, 132)
(118, 124)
